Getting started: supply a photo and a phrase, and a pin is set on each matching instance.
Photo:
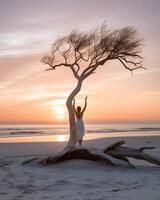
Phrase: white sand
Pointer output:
(76, 179)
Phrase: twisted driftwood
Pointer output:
(114, 154)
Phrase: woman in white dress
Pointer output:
(79, 121)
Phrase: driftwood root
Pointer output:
(114, 154)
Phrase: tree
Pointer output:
(84, 52)
(92, 50)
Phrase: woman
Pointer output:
(79, 122)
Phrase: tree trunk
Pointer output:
(72, 139)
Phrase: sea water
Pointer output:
(47, 133)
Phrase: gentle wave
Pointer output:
(123, 130)
(29, 131)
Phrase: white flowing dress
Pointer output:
(79, 129)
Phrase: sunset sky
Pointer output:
(31, 95)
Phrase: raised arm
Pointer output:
(85, 105)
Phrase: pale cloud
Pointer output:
(22, 43)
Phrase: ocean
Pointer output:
(45, 133)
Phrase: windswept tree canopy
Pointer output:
(83, 52)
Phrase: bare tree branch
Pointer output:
(131, 69)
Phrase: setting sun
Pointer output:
(59, 111)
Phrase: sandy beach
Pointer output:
(76, 179)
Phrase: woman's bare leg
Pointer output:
(80, 142)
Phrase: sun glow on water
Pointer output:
(61, 138)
